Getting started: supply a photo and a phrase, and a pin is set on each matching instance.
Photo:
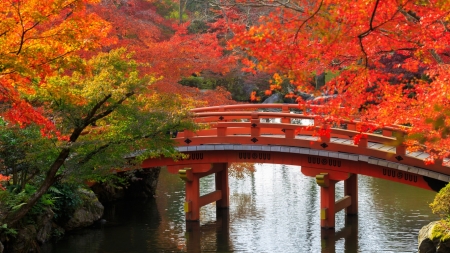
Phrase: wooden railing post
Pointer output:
(285, 109)
(254, 125)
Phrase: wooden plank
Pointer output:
(376, 146)
(210, 197)
(346, 201)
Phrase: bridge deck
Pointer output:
(315, 152)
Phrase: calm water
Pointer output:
(274, 210)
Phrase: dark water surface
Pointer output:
(274, 210)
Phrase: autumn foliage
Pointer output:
(2, 179)
(90, 81)
(36, 39)
(390, 61)
(167, 48)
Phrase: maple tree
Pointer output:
(79, 105)
(36, 38)
(387, 58)
(104, 113)
(167, 47)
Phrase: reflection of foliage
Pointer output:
(244, 205)
(240, 170)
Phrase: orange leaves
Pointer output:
(275, 87)
(291, 95)
(2, 179)
(46, 39)
(342, 36)
(253, 96)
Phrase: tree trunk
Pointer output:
(50, 179)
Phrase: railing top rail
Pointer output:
(226, 110)
(244, 106)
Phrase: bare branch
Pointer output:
(306, 20)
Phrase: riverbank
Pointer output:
(46, 226)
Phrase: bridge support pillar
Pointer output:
(222, 185)
(351, 189)
(193, 201)
(327, 180)
(327, 204)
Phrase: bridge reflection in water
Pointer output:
(261, 221)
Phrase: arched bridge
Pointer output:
(245, 133)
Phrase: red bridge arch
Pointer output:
(242, 133)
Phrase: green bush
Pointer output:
(441, 203)
(67, 200)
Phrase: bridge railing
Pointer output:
(247, 124)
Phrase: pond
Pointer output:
(275, 209)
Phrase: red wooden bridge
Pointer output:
(244, 133)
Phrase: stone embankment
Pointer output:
(434, 238)
(141, 184)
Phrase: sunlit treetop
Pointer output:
(389, 60)
(37, 38)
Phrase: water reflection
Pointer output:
(217, 232)
(276, 209)
(348, 234)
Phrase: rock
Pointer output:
(1, 247)
(90, 211)
(142, 184)
(44, 225)
(428, 244)
(274, 98)
(25, 241)
(305, 96)
(106, 193)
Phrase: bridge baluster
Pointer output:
(221, 131)
(285, 109)
(351, 126)
(325, 136)
(400, 150)
(387, 132)
(363, 141)
(254, 124)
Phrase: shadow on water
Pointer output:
(196, 233)
(125, 227)
(349, 234)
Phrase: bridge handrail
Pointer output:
(335, 132)
(208, 117)
(245, 106)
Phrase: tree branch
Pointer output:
(306, 20)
